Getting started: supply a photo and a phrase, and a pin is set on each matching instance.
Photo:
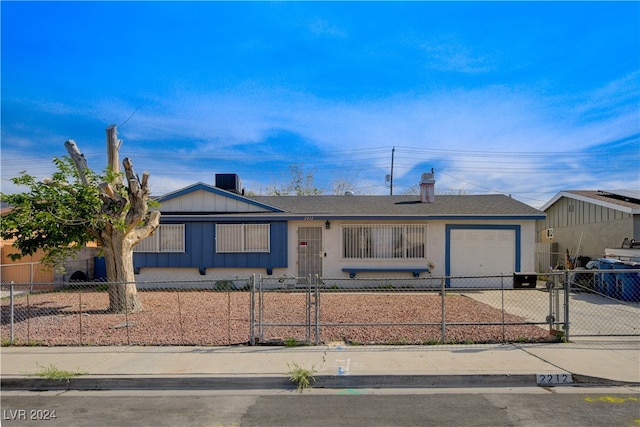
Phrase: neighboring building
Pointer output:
(29, 268)
(26, 270)
(209, 233)
(585, 223)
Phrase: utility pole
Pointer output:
(393, 150)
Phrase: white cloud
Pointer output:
(492, 119)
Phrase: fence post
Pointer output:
(31, 278)
(504, 327)
(308, 310)
(11, 309)
(260, 311)
(28, 320)
(80, 317)
(180, 319)
(317, 314)
(443, 333)
(566, 311)
(252, 302)
(228, 317)
(127, 304)
(551, 316)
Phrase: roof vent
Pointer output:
(349, 193)
(427, 187)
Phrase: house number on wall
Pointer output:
(308, 218)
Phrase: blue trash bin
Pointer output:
(628, 283)
(605, 283)
(99, 269)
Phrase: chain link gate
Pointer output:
(299, 323)
(286, 310)
(558, 317)
(603, 302)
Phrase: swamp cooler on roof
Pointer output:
(229, 182)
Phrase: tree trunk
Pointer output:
(133, 219)
(123, 294)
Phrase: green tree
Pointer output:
(61, 214)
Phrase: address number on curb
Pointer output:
(544, 379)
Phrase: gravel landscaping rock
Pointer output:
(210, 318)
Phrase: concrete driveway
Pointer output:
(590, 314)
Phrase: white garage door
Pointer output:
(480, 252)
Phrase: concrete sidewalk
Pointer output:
(604, 362)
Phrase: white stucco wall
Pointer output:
(333, 263)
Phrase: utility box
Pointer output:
(525, 280)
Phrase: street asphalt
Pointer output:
(607, 361)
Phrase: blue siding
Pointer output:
(200, 251)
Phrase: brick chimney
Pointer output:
(427, 187)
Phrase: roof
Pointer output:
(201, 186)
(622, 200)
(403, 206)
(407, 207)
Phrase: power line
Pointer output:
(487, 188)
(134, 112)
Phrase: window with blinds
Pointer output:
(379, 241)
(167, 238)
(242, 238)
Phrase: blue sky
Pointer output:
(527, 99)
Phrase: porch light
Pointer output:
(327, 225)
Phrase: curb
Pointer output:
(283, 383)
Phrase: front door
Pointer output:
(310, 252)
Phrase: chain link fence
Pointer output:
(173, 313)
(291, 310)
(604, 302)
(405, 311)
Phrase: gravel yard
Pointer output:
(223, 318)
